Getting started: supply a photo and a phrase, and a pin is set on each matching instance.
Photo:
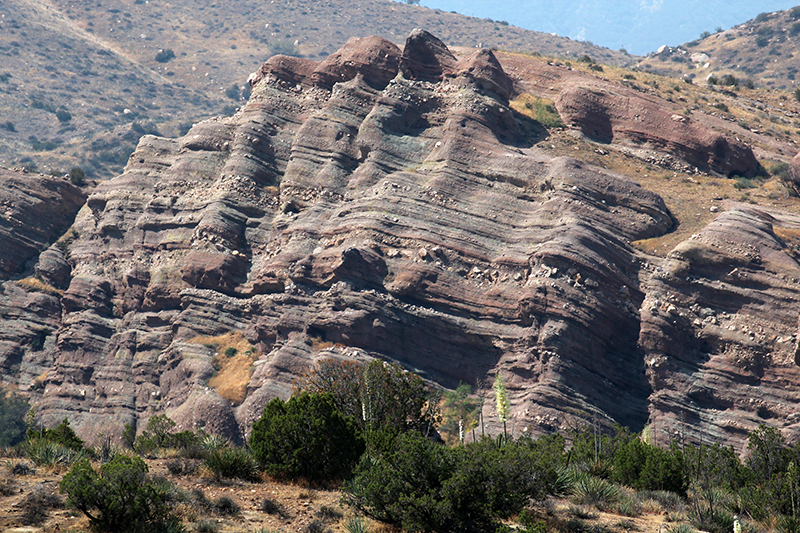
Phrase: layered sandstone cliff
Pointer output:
(388, 203)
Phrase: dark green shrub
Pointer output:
(165, 55)
(225, 505)
(643, 466)
(272, 507)
(232, 463)
(13, 408)
(306, 437)
(62, 434)
(428, 487)
(63, 115)
(376, 395)
(121, 497)
(77, 176)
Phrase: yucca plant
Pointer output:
(680, 528)
(232, 462)
(589, 490)
(356, 524)
(51, 454)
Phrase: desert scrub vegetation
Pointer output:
(120, 497)
(365, 428)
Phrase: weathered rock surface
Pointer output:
(34, 211)
(720, 328)
(392, 205)
(616, 114)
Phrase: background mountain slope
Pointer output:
(99, 62)
(762, 50)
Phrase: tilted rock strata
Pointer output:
(616, 114)
(720, 329)
(34, 211)
(380, 203)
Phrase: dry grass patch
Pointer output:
(37, 285)
(233, 362)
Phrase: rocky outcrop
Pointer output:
(615, 114)
(36, 210)
(720, 329)
(387, 204)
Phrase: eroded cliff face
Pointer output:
(388, 203)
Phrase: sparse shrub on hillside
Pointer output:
(63, 115)
(121, 497)
(77, 176)
(165, 55)
(284, 47)
(306, 437)
(225, 505)
(37, 505)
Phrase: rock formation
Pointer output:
(388, 203)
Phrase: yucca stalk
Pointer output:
(501, 402)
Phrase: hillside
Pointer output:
(81, 81)
(763, 50)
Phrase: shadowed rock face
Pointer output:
(380, 204)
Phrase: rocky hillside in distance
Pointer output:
(762, 50)
(81, 81)
(421, 205)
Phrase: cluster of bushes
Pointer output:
(371, 429)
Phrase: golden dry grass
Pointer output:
(37, 285)
(233, 362)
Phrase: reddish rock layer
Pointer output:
(620, 115)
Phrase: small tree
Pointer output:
(165, 55)
(77, 176)
(62, 434)
(306, 437)
(120, 498)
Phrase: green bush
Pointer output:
(62, 434)
(377, 395)
(643, 466)
(232, 463)
(77, 176)
(165, 55)
(47, 453)
(590, 490)
(63, 115)
(121, 497)
(306, 437)
(13, 408)
(428, 487)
